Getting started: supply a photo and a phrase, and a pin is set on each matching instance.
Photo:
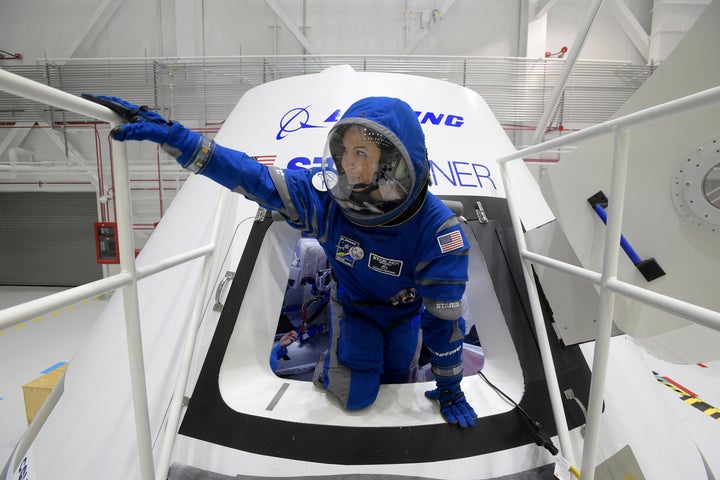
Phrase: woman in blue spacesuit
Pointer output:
(398, 255)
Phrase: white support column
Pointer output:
(132, 312)
(606, 302)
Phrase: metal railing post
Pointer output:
(131, 308)
(606, 303)
(606, 280)
(539, 323)
(23, 87)
(129, 274)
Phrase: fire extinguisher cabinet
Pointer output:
(106, 242)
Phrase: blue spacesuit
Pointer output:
(398, 255)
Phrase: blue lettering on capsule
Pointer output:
(455, 173)
(298, 118)
(437, 119)
(462, 174)
(298, 163)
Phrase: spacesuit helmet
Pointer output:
(375, 164)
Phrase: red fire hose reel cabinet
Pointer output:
(106, 242)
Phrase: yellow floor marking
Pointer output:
(56, 312)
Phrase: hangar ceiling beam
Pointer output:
(98, 20)
(306, 44)
(634, 31)
(14, 138)
(74, 156)
(542, 7)
(570, 61)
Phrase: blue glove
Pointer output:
(453, 406)
(189, 148)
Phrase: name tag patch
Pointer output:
(388, 266)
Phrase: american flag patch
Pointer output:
(450, 241)
(268, 160)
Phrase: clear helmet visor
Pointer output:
(368, 171)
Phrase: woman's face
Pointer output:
(360, 158)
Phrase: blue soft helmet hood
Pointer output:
(403, 165)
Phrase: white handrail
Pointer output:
(32, 90)
(700, 315)
(33, 429)
(606, 279)
(23, 87)
(176, 403)
(704, 99)
(128, 276)
(17, 314)
(539, 324)
(170, 262)
(696, 313)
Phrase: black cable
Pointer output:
(540, 436)
(504, 395)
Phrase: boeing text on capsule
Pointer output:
(298, 118)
